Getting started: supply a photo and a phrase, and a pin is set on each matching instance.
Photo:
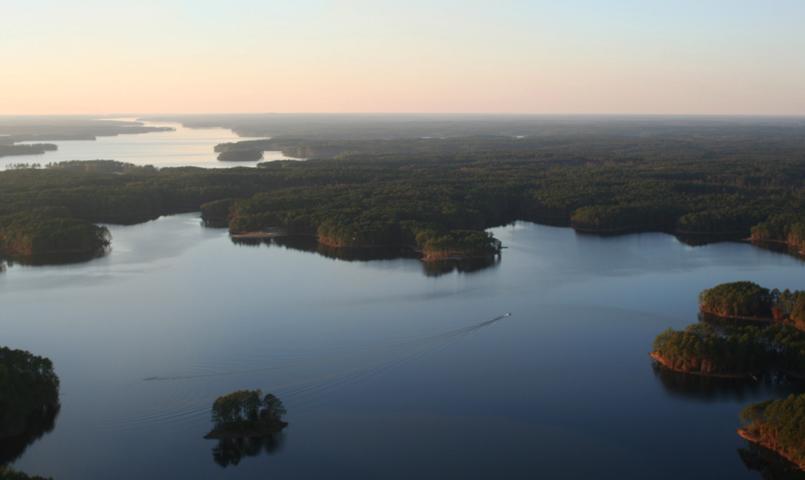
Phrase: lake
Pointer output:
(182, 147)
(386, 371)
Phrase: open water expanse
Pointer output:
(387, 370)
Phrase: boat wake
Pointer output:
(347, 365)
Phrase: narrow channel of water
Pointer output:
(182, 147)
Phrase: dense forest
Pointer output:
(26, 149)
(778, 425)
(29, 386)
(58, 128)
(750, 301)
(440, 201)
(39, 233)
(737, 300)
(785, 229)
(748, 331)
(774, 339)
(432, 184)
(731, 350)
(29, 404)
(240, 156)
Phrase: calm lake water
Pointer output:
(182, 147)
(386, 372)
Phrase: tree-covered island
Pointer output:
(779, 426)
(240, 156)
(247, 413)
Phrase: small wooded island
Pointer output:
(240, 156)
(246, 414)
(26, 149)
(756, 330)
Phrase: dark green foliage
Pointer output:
(623, 218)
(732, 350)
(779, 425)
(48, 231)
(789, 306)
(26, 149)
(729, 348)
(389, 191)
(737, 299)
(248, 412)
(240, 156)
(28, 386)
(456, 243)
(788, 229)
(216, 213)
(29, 402)
(720, 221)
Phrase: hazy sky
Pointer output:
(552, 56)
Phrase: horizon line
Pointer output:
(403, 113)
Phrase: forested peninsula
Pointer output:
(36, 132)
(439, 208)
(746, 331)
(26, 149)
(778, 425)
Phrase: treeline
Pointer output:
(241, 156)
(49, 231)
(29, 403)
(59, 128)
(441, 201)
(26, 149)
(724, 344)
(774, 339)
(787, 229)
(30, 387)
(748, 300)
(731, 350)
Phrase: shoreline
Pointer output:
(432, 257)
(664, 363)
(744, 433)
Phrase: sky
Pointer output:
(742, 57)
